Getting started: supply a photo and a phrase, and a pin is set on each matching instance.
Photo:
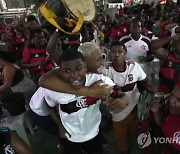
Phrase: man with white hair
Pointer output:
(92, 54)
(38, 109)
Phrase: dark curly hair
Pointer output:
(6, 56)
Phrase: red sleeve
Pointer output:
(26, 55)
(115, 93)
(144, 31)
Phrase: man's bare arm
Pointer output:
(62, 131)
(161, 53)
(19, 145)
(85, 34)
(51, 47)
(157, 47)
(53, 81)
(116, 105)
(161, 42)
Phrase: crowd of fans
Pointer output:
(31, 59)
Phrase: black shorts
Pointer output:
(92, 146)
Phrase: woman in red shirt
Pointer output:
(170, 126)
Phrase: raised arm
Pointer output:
(84, 34)
(157, 47)
(161, 42)
(161, 53)
(31, 65)
(51, 47)
(52, 80)
(19, 145)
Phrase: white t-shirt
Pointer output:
(37, 103)
(127, 80)
(80, 115)
(136, 48)
(173, 33)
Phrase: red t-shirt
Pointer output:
(171, 129)
(32, 55)
(164, 32)
(118, 31)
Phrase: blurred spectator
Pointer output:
(138, 46)
(4, 42)
(166, 25)
(19, 43)
(120, 29)
(169, 74)
(2, 28)
(13, 79)
(170, 125)
(35, 56)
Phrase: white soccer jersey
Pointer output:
(80, 115)
(136, 48)
(37, 103)
(127, 80)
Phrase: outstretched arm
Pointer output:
(158, 51)
(161, 42)
(52, 80)
(161, 53)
